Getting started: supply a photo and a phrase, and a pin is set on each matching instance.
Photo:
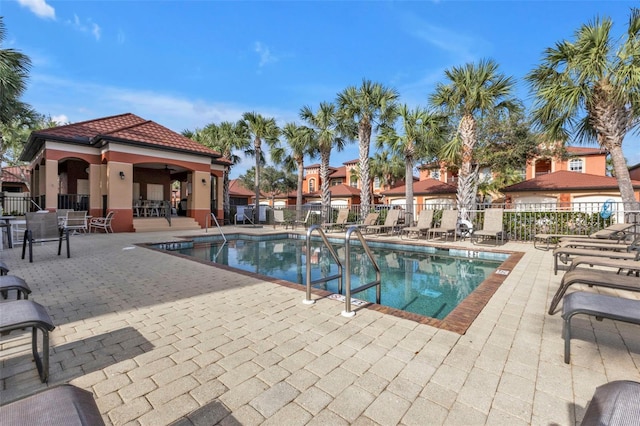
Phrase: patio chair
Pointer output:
(102, 222)
(390, 222)
(340, 223)
(594, 278)
(56, 406)
(563, 254)
(425, 218)
(632, 266)
(76, 221)
(4, 269)
(600, 306)
(491, 227)
(43, 227)
(370, 220)
(615, 402)
(11, 282)
(21, 314)
(617, 231)
(448, 225)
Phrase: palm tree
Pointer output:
(328, 135)
(472, 91)
(386, 167)
(371, 107)
(422, 132)
(302, 142)
(259, 128)
(590, 88)
(14, 71)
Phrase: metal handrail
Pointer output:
(215, 219)
(348, 290)
(338, 276)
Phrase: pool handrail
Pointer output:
(332, 252)
(215, 219)
(348, 290)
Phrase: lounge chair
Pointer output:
(425, 218)
(599, 306)
(629, 265)
(491, 227)
(370, 220)
(11, 282)
(102, 222)
(20, 314)
(43, 227)
(563, 254)
(594, 277)
(304, 222)
(448, 225)
(340, 223)
(57, 406)
(614, 403)
(615, 232)
(4, 269)
(390, 222)
(279, 219)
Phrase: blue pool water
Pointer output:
(419, 279)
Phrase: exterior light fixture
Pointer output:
(204, 182)
(122, 175)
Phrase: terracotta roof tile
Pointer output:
(580, 150)
(341, 190)
(567, 181)
(426, 186)
(11, 174)
(128, 127)
(339, 172)
(236, 188)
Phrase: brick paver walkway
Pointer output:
(160, 339)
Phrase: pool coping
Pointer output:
(457, 321)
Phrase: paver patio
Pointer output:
(160, 339)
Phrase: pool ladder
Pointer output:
(348, 290)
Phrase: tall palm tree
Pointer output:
(371, 107)
(329, 134)
(14, 71)
(472, 91)
(590, 88)
(386, 167)
(421, 133)
(302, 143)
(259, 128)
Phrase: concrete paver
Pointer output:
(161, 339)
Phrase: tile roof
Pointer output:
(125, 127)
(577, 150)
(339, 172)
(236, 188)
(341, 190)
(12, 173)
(567, 181)
(426, 186)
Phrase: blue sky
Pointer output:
(185, 64)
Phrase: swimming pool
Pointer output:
(424, 280)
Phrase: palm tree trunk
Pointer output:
(408, 177)
(364, 136)
(465, 195)
(226, 198)
(324, 176)
(624, 180)
(299, 191)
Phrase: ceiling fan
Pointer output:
(168, 169)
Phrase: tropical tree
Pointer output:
(472, 90)
(370, 107)
(420, 137)
(259, 128)
(329, 134)
(226, 138)
(387, 167)
(589, 88)
(302, 143)
(14, 71)
(273, 181)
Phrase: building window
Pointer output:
(435, 174)
(376, 182)
(576, 165)
(354, 182)
(312, 185)
(335, 182)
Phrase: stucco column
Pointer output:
(49, 185)
(120, 195)
(95, 189)
(200, 197)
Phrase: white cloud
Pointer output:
(263, 51)
(60, 119)
(88, 26)
(40, 8)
